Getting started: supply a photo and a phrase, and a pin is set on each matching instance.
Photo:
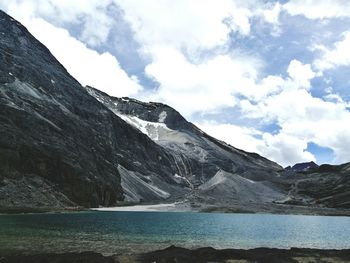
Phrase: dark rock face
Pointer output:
(51, 128)
(328, 185)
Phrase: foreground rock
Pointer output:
(259, 255)
(86, 257)
(177, 254)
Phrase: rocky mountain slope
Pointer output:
(197, 156)
(221, 175)
(326, 185)
(58, 145)
(64, 145)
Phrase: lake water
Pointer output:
(130, 232)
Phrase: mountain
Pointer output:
(302, 167)
(326, 185)
(63, 145)
(197, 156)
(58, 145)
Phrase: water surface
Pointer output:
(134, 232)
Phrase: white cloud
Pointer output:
(271, 15)
(299, 77)
(194, 24)
(300, 74)
(332, 58)
(101, 71)
(238, 136)
(187, 29)
(96, 29)
(303, 119)
(287, 102)
(282, 148)
(89, 67)
(285, 149)
(202, 87)
(185, 23)
(318, 9)
(91, 14)
(174, 35)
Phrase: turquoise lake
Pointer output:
(134, 232)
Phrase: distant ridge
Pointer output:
(302, 167)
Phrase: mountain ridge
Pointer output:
(302, 167)
(64, 145)
(77, 139)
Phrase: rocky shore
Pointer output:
(258, 255)
(177, 254)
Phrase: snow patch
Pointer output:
(140, 208)
(151, 129)
(162, 116)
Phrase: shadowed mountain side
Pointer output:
(326, 185)
(199, 156)
(56, 140)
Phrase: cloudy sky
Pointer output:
(265, 76)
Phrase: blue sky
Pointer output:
(265, 76)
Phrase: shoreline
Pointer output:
(271, 209)
(171, 207)
(179, 254)
(264, 208)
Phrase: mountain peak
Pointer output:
(302, 167)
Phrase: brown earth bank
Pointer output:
(177, 254)
(279, 209)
